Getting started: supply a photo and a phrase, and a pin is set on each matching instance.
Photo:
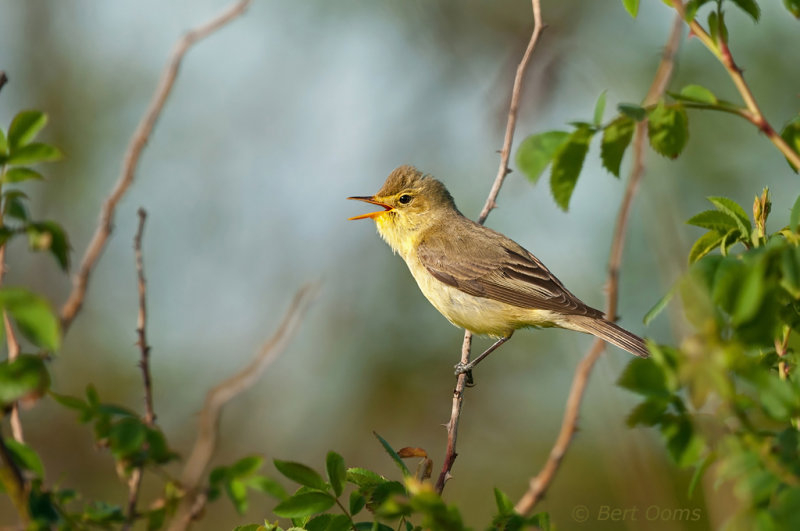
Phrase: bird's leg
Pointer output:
(462, 368)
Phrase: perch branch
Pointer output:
(206, 441)
(505, 153)
(137, 143)
(540, 483)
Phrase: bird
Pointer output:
(479, 279)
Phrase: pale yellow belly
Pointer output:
(477, 314)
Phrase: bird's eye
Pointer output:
(404, 199)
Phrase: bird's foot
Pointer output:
(465, 368)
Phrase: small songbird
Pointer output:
(477, 278)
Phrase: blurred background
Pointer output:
(278, 117)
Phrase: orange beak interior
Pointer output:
(371, 201)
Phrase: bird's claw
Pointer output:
(465, 368)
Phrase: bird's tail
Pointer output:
(610, 333)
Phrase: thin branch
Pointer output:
(206, 442)
(540, 483)
(140, 137)
(505, 153)
(753, 114)
(135, 480)
(3, 79)
(141, 323)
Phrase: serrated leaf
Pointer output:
(25, 376)
(337, 473)
(301, 474)
(567, 164)
(616, 138)
(364, 478)
(24, 128)
(49, 236)
(33, 153)
(536, 152)
(396, 458)
(704, 245)
(750, 7)
(18, 175)
(33, 316)
(632, 111)
(305, 504)
(357, 502)
(668, 129)
(791, 135)
(631, 6)
(25, 457)
(732, 208)
(699, 94)
(658, 307)
(714, 220)
(600, 108)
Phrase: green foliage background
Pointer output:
(298, 105)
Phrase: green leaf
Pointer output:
(793, 6)
(704, 245)
(246, 466)
(635, 112)
(337, 473)
(658, 307)
(733, 209)
(15, 207)
(364, 478)
(699, 470)
(631, 6)
(248, 527)
(3, 146)
(304, 504)
(25, 457)
(301, 474)
(536, 152)
(791, 135)
(750, 294)
(668, 128)
(237, 493)
(17, 175)
(683, 444)
(33, 153)
(645, 378)
(396, 458)
(567, 164)
(616, 137)
(34, 317)
(715, 220)
(790, 271)
(600, 108)
(49, 236)
(126, 437)
(648, 413)
(794, 217)
(750, 7)
(504, 503)
(699, 94)
(267, 485)
(25, 376)
(24, 127)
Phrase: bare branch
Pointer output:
(3, 79)
(140, 137)
(540, 483)
(141, 323)
(505, 153)
(206, 441)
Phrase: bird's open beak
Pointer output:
(372, 201)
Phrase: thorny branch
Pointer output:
(505, 153)
(539, 483)
(137, 143)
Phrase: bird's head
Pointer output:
(412, 202)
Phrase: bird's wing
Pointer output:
(479, 263)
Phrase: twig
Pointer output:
(539, 483)
(141, 323)
(3, 79)
(140, 137)
(205, 444)
(135, 480)
(753, 113)
(505, 153)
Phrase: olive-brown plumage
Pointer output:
(476, 277)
